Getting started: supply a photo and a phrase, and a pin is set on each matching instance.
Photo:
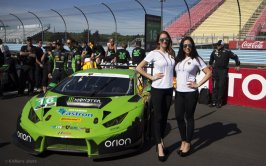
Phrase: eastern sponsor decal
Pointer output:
(117, 142)
(24, 136)
(64, 112)
(68, 119)
(80, 101)
(45, 102)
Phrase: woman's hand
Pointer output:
(157, 76)
(192, 84)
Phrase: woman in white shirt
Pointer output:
(162, 86)
(188, 64)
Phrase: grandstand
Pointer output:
(220, 20)
(259, 21)
(224, 22)
(16, 35)
(198, 14)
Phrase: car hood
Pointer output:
(78, 115)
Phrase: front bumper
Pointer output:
(114, 144)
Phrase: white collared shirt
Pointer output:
(163, 63)
(186, 71)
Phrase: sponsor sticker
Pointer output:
(69, 119)
(80, 101)
(64, 112)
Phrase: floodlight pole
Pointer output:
(39, 22)
(239, 33)
(144, 19)
(23, 38)
(114, 19)
(141, 6)
(188, 17)
(86, 22)
(162, 1)
(4, 29)
(63, 21)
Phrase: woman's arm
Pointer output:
(208, 74)
(140, 67)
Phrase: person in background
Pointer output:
(46, 60)
(74, 57)
(161, 88)
(86, 52)
(138, 54)
(98, 53)
(122, 55)
(188, 65)
(27, 61)
(110, 51)
(38, 66)
(219, 60)
(57, 70)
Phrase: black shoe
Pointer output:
(213, 104)
(219, 105)
(162, 158)
(184, 154)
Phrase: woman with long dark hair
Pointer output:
(188, 64)
(162, 86)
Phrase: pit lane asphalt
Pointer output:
(232, 135)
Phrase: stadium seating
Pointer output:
(224, 21)
(258, 26)
(198, 14)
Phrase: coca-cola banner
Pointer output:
(247, 87)
(248, 45)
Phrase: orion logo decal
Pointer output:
(117, 142)
(74, 101)
(23, 136)
(64, 112)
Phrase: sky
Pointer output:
(128, 13)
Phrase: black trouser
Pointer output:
(161, 101)
(38, 76)
(58, 75)
(26, 74)
(219, 78)
(185, 105)
(45, 75)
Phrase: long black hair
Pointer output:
(181, 54)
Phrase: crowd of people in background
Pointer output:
(36, 66)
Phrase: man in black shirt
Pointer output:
(27, 61)
(138, 54)
(38, 66)
(122, 55)
(219, 60)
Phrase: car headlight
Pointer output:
(33, 116)
(115, 121)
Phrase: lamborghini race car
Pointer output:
(101, 112)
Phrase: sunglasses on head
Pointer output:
(164, 39)
(187, 45)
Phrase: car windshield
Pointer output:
(92, 85)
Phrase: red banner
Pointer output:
(247, 87)
(248, 45)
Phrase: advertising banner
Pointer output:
(248, 45)
(247, 87)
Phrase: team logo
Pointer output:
(117, 142)
(24, 137)
(64, 112)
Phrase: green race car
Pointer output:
(101, 112)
